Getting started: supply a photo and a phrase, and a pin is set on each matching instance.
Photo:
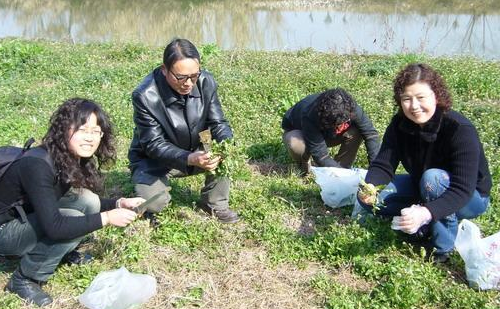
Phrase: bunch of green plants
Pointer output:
(232, 158)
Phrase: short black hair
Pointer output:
(179, 49)
(334, 107)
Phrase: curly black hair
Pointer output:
(334, 107)
(422, 73)
(78, 172)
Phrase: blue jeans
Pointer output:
(40, 255)
(400, 193)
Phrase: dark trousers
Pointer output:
(40, 255)
(214, 195)
(349, 143)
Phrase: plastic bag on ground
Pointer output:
(339, 186)
(481, 256)
(118, 289)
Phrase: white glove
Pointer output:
(411, 219)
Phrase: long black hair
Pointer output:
(78, 172)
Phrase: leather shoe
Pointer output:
(223, 215)
(226, 216)
(27, 289)
(76, 258)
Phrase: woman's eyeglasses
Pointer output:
(94, 132)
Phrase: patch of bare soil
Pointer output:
(303, 226)
(268, 168)
(345, 276)
(243, 280)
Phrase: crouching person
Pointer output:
(59, 205)
(324, 120)
(447, 178)
(172, 105)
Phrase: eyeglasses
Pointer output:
(184, 78)
(94, 132)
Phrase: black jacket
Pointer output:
(303, 116)
(167, 125)
(448, 141)
(34, 179)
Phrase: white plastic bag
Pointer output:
(118, 289)
(339, 186)
(481, 256)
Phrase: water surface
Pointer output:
(267, 25)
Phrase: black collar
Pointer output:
(428, 132)
(168, 95)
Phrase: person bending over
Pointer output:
(324, 120)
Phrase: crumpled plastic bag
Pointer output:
(339, 186)
(481, 256)
(118, 289)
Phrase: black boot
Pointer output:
(27, 289)
(76, 258)
(153, 221)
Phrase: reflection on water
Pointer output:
(239, 24)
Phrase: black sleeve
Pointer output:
(37, 180)
(368, 132)
(316, 144)
(383, 167)
(464, 163)
(153, 139)
(219, 126)
(108, 203)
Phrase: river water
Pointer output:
(322, 25)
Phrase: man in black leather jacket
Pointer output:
(171, 106)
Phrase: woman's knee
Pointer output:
(88, 202)
(433, 183)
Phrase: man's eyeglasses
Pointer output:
(184, 78)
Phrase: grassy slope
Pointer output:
(288, 243)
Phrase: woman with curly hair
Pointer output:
(57, 189)
(448, 176)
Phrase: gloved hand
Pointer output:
(411, 219)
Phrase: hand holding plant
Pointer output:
(368, 194)
(226, 156)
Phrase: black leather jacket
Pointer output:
(167, 125)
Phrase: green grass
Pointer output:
(285, 226)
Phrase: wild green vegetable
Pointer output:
(232, 158)
(370, 194)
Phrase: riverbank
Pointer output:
(289, 250)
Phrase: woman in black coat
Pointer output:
(448, 176)
(59, 204)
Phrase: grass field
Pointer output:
(289, 250)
